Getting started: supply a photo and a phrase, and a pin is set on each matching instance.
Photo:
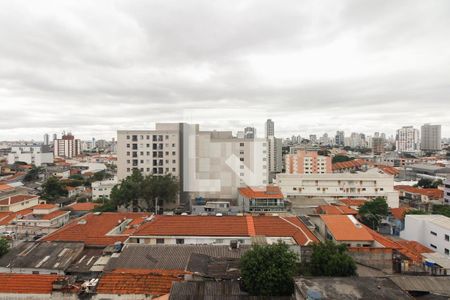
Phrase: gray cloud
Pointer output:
(93, 67)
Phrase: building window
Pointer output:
(447, 237)
(160, 241)
(433, 246)
(433, 233)
(180, 241)
(446, 251)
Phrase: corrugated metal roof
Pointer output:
(135, 256)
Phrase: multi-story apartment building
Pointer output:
(208, 164)
(150, 151)
(307, 162)
(447, 191)
(340, 185)
(275, 156)
(249, 132)
(34, 155)
(407, 139)
(270, 128)
(339, 138)
(67, 146)
(430, 137)
(377, 145)
(432, 231)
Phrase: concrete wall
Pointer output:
(378, 258)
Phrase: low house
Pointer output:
(102, 189)
(44, 215)
(100, 229)
(336, 210)
(344, 229)
(40, 258)
(18, 202)
(221, 230)
(75, 191)
(81, 208)
(261, 199)
(419, 195)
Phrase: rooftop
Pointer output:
(27, 283)
(433, 193)
(336, 210)
(349, 288)
(346, 228)
(266, 192)
(95, 229)
(438, 220)
(45, 206)
(42, 255)
(16, 199)
(82, 206)
(353, 202)
(167, 257)
(144, 282)
(230, 226)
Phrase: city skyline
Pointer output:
(98, 67)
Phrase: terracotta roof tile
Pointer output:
(269, 192)
(432, 193)
(93, 229)
(336, 210)
(353, 202)
(140, 282)
(344, 229)
(83, 206)
(270, 226)
(399, 212)
(54, 214)
(27, 283)
(45, 206)
(16, 199)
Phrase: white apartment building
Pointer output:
(67, 146)
(102, 189)
(340, 185)
(155, 151)
(407, 139)
(447, 191)
(430, 137)
(432, 231)
(34, 155)
(208, 164)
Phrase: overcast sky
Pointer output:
(92, 67)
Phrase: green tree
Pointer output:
(268, 270)
(331, 259)
(137, 189)
(439, 209)
(101, 175)
(160, 190)
(341, 158)
(52, 189)
(108, 206)
(4, 246)
(33, 174)
(372, 212)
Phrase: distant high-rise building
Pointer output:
(430, 137)
(339, 139)
(270, 128)
(46, 138)
(275, 157)
(249, 132)
(377, 145)
(313, 138)
(67, 146)
(407, 139)
(55, 136)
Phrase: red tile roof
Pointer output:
(399, 212)
(6, 187)
(16, 199)
(343, 229)
(353, 202)
(11, 216)
(82, 206)
(54, 214)
(268, 192)
(431, 193)
(27, 283)
(388, 169)
(138, 282)
(45, 206)
(356, 163)
(270, 226)
(92, 229)
(336, 210)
